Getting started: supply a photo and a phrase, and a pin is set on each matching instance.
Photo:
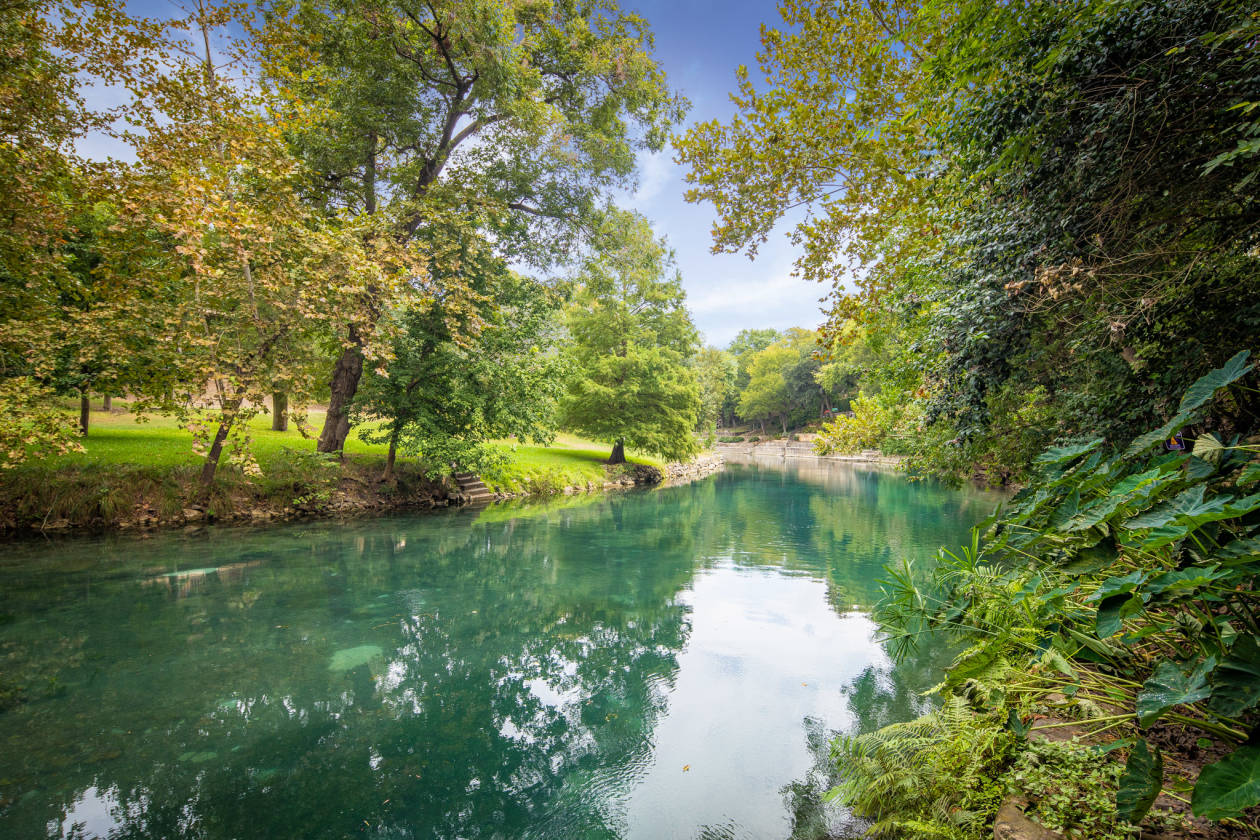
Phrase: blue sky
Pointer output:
(700, 43)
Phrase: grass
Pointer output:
(117, 438)
(126, 466)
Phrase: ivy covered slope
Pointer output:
(1038, 220)
(1118, 593)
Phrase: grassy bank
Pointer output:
(142, 474)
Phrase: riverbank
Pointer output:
(804, 449)
(144, 476)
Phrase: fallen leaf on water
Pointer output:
(686, 767)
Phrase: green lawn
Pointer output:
(116, 438)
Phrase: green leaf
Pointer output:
(1066, 510)
(1112, 612)
(1239, 549)
(1117, 585)
(1141, 783)
(1197, 469)
(1236, 683)
(1208, 447)
(1168, 511)
(1207, 385)
(1091, 559)
(973, 662)
(1228, 787)
(1184, 580)
(1062, 454)
(1195, 397)
(1171, 686)
(1250, 474)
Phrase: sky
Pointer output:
(700, 43)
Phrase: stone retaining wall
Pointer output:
(707, 464)
(802, 449)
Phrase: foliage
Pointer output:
(878, 422)
(520, 115)
(1073, 789)
(447, 401)
(716, 371)
(32, 423)
(237, 269)
(1027, 196)
(51, 53)
(780, 380)
(631, 336)
(767, 395)
(1130, 574)
(929, 778)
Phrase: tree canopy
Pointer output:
(1043, 203)
(631, 337)
(518, 116)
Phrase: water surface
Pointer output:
(653, 665)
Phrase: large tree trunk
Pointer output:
(783, 423)
(279, 411)
(107, 402)
(762, 421)
(345, 382)
(618, 455)
(85, 412)
(211, 465)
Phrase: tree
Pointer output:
(236, 270)
(50, 52)
(715, 374)
(447, 401)
(631, 337)
(768, 394)
(1029, 194)
(519, 113)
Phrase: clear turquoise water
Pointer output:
(656, 665)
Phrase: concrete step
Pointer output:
(473, 488)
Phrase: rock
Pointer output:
(192, 514)
(1011, 824)
(350, 658)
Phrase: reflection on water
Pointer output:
(653, 665)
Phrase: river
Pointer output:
(643, 666)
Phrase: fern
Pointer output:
(924, 778)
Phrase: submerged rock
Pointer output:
(350, 658)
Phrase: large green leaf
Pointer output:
(1207, 385)
(1250, 474)
(1118, 585)
(1240, 549)
(1184, 580)
(1063, 454)
(1093, 558)
(1228, 787)
(1112, 612)
(1171, 686)
(1236, 683)
(1166, 512)
(1141, 783)
(1195, 397)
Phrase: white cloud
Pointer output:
(656, 170)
